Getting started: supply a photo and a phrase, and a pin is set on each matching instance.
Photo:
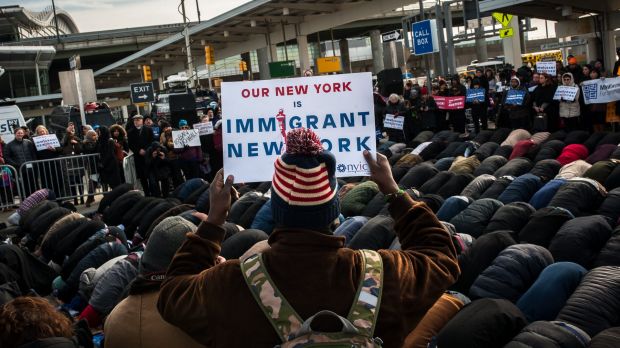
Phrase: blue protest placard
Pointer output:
(515, 97)
(475, 94)
(425, 37)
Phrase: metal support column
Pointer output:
(447, 14)
(442, 42)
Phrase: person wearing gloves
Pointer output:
(199, 295)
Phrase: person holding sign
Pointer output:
(545, 108)
(516, 101)
(190, 157)
(53, 176)
(426, 109)
(171, 153)
(396, 111)
(477, 104)
(457, 117)
(198, 295)
(16, 153)
(595, 112)
(570, 109)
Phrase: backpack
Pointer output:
(357, 328)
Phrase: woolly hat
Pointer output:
(163, 243)
(304, 186)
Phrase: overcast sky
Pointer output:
(92, 15)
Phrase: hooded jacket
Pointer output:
(555, 334)
(518, 111)
(580, 240)
(198, 296)
(570, 108)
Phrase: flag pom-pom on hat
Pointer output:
(303, 141)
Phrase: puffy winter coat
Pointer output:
(418, 175)
(573, 170)
(475, 217)
(580, 240)
(436, 182)
(354, 202)
(444, 163)
(521, 148)
(500, 135)
(595, 304)
(543, 225)
(490, 165)
(486, 150)
(579, 195)
(610, 253)
(504, 151)
(497, 187)
(114, 214)
(455, 185)
(512, 272)
(602, 153)
(546, 169)
(549, 293)
(613, 180)
(516, 136)
(576, 137)
(521, 189)
(593, 139)
(572, 153)
(512, 217)
(601, 170)
(610, 208)
(515, 167)
(550, 150)
(608, 338)
(476, 188)
(555, 334)
(482, 323)
(570, 108)
(465, 165)
(480, 256)
(543, 196)
(452, 207)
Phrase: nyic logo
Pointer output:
(360, 167)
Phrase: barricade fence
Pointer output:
(70, 177)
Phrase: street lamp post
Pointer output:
(55, 21)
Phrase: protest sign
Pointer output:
(186, 137)
(394, 122)
(546, 67)
(515, 97)
(476, 94)
(204, 128)
(257, 115)
(156, 132)
(450, 103)
(42, 142)
(565, 93)
(601, 91)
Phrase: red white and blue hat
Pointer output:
(304, 186)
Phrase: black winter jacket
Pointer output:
(18, 152)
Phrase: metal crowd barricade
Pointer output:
(69, 177)
(10, 194)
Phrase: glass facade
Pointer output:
(23, 83)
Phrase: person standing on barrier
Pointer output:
(140, 137)
(50, 171)
(18, 152)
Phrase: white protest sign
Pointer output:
(546, 67)
(257, 115)
(42, 142)
(187, 137)
(205, 128)
(393, 122)
(566, 93)
(601, 91)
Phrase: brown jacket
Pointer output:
(314, 272)
(136, 323)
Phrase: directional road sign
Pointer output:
(142, 92)
(391, 36)
(506, 32)
(502, 18)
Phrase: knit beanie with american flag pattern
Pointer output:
(304, 186)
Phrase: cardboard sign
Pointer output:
(601, 91)
(546, 67)
(450, 103)
(476, 94)
(566, 93)
(258, 114)
(42, 142)
(187, 137)
(515, 97)
(204, 128)
(394, 122)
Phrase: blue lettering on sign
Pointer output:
(475, 94)
(515, 97)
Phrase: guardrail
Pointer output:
(69, 177)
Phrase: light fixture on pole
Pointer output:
(285, 11)
(226, 33)
(152, 61)
(253, 23)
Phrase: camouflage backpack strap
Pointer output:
(365, 309)
(281, 315)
